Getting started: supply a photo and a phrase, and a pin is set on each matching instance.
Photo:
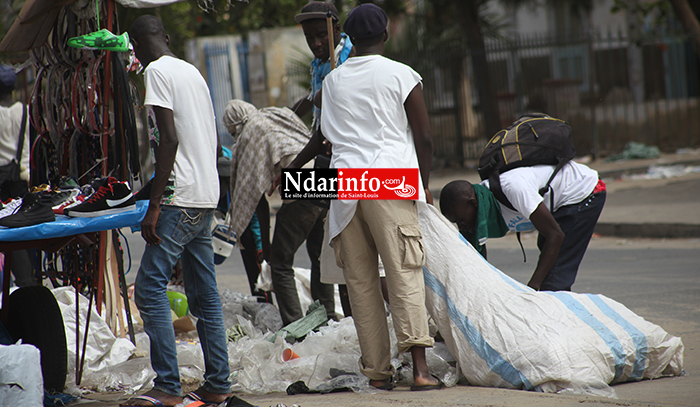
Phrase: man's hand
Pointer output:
(148, 225)
(548, 227)
(428, 196)
(275, 183)
(535, 285)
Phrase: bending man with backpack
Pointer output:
(562, 201)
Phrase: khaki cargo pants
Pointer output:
(390, 229)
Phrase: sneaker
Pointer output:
(110, 198)
(41, 188)
(10, 207)
(31, 212)
(61, 196)
(69, 203)
(68, 182)
(102, 39)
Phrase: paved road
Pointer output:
(656, 278)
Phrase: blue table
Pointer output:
(52, 236)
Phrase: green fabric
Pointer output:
(489, 221)
(315, 317)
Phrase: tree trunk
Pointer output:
(690, 22)
(487, 96)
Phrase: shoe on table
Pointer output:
(110, 198)
(10, 206)
(68, 203)
(31, 212)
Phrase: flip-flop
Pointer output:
(386, 386)
(199, 401)
(437, 386)
(154, 401)
(234, 401)
(231, 401)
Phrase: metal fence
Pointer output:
(644, 91)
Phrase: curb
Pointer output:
(648, 230)
(642, 169)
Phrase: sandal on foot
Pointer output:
(386, 386)
(437, 386)
(154, 401)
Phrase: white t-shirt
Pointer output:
(176, 85)
(364, 118)
(10, 125)
(572, 184)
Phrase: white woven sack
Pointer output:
(504, 334)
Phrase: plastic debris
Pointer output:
(634, 150)
(21, 383)
(264, 316)
(664, 172)
(314, 318)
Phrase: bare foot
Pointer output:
(422, 379)
(165, 398)
(419, 381)
(212, 397)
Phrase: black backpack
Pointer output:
(533, 139)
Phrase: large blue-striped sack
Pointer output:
(504, 334)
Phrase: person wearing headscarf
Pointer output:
(267, 140)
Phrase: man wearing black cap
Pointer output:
(302, 220)
(375, 117)
(313, 21)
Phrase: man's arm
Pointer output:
(165, 160)
(263, 212)
(548, 227)
(420, 124)
(303, 106)
(309, 152)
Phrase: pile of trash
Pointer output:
(322, 354)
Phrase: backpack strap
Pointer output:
(547, 186)
(23, 127)
(495, 187)
(522, 249)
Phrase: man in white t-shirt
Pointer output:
(375, 117)
(565, 216)
(12, 116)
(184, 195)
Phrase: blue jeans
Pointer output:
(578, 223)
(185, 233)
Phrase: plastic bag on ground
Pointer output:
(264, 316)
(103, 349)
(504, 334)
(21, 383)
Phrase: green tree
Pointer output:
(448, 20)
